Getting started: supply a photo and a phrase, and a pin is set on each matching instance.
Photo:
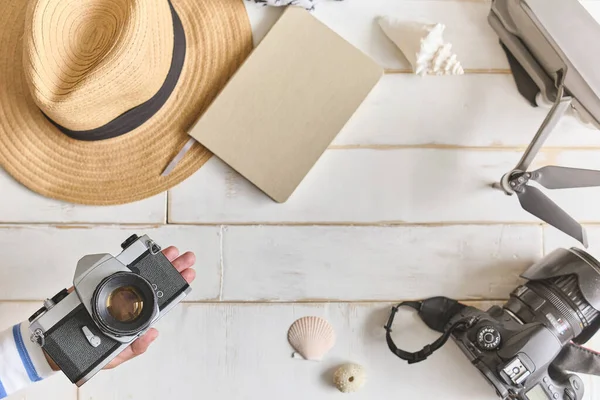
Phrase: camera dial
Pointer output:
(488, 338)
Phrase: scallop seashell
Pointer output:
(423, 45)
(311, 337)
(349, 378)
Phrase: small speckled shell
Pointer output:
(311, 337)
(349, 378)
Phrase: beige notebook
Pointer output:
(284, 106)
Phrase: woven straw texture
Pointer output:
(84, 62)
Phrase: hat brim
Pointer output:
(127, 168)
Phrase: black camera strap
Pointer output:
(576, 358)
(446, 309)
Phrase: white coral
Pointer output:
(423, 45)
(349, 378)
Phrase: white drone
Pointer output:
(546, 42)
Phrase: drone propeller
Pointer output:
(553, 177)
(537, 203)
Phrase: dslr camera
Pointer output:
(115, 300)
(524, 348)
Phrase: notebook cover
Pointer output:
(287, 102)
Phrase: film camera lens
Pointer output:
(124, 304)
(558, 295)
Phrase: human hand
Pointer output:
(183, 264)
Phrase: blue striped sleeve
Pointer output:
(22, 361)
(2, 391)
(25, 359)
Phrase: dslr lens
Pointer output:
(557, 299)
(125, 304)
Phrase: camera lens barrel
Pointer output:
(557, 300)
(124, 304)
(572, 300)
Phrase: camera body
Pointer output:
(516, 358)
(514, 346)
(115, 301)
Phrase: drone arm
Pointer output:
(561, 105)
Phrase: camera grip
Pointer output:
(574, 388)
(68, 347)
(165, 279)
(572, 384)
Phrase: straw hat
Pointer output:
(96, 96)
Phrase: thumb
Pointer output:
(141, 345)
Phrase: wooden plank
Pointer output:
(269, 263)
(20, 205)
(473, 40)
(39, 261)
(554, 239)
(470, 110)
(237, 351)
(56, 387)
(382, 186)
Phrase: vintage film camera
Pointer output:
(115, 300)
(524, 348)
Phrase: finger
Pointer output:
(184, 261)
(125, 355)
(189, 275)
(141, 345)
(171, 253)
(135, 349)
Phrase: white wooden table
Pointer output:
(398, 208)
